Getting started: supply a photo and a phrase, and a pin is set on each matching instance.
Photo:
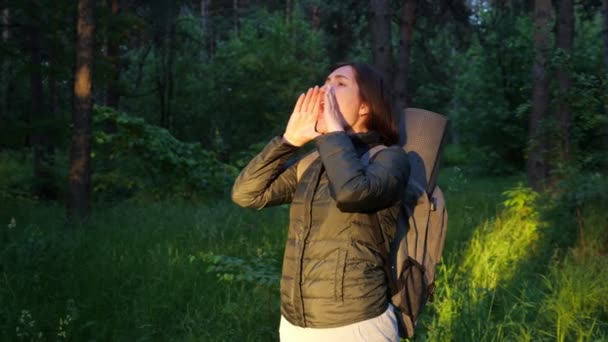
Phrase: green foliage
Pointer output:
(15, 174)
(255, 78)
(243, 94)
(146, 160)
(454, 155)
(258, 272)
(491, 90)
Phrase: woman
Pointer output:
(333, 284)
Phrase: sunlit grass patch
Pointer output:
(577, 301)
(477, 299)
(500, 245)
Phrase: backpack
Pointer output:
(412, 255)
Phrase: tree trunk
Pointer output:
(605, 33)
(205, 27)
(159, 68)
(380, 33)
(288, 10)
(537, 153)
(39, 138)
(235, 16)
(315, 21)
(6, 15)
(208, 32)
(605, 36)
(164, 58)
(406, 32)
(79, 192)
(3, 64)
(565, 43)
(170, 77)
(112, 91)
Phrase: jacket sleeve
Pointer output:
(362, 188)
(267, 180)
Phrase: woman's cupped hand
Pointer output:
(316, 112)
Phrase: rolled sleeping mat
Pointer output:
(422, 133)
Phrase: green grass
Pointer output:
(136, 273)
(512, 271)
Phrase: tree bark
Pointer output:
(39, 138)
(235, 16)
(605, 33)
(79, 191)
(205, 27)
(605, 36)
(288, 10)
(315, 21)
(3, 64)
(565, 43)
(164, 59)
(407, 23)
(112, 91)
(380, 33)
(537, 165)
(6, 15)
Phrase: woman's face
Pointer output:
(353, 109)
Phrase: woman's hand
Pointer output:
(301, 126)
(332, 117)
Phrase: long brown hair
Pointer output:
(374, 91)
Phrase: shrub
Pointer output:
(146, 160)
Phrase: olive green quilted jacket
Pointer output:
(333, 272)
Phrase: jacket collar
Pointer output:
(365, 138)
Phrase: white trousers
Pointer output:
(382, 328)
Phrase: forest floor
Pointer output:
(514, 268)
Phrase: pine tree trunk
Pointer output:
(4, 78)
(605, 33)
(170, 76)
(209, 29)
(205, 27)
(288, 10)
(112, 92)
(605, 36)
(380, 32)
(315, 21)
(565, 43)
(6, 16)
(39, 138)
(79, 191)
(537, 164)
(235, 16)
(407, 23)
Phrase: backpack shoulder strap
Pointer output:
(304, 163)
(371, 154)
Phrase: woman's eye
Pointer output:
(341, 84)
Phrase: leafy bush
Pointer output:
(454, 155)
(146, 160)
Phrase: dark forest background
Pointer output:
(183, 91)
